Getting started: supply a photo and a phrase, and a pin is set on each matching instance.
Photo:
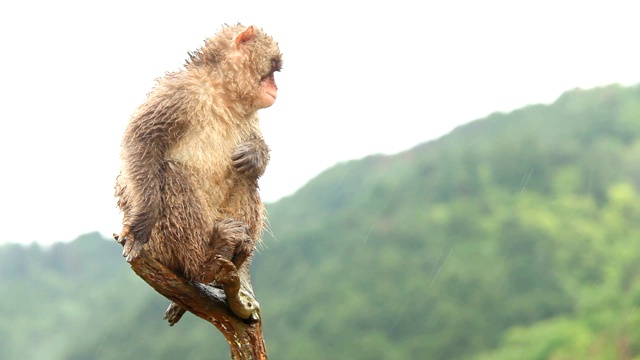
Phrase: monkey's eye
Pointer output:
(276, 64)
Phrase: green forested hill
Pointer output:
(513, 237)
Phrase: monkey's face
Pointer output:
(259, 58)
(244, 61)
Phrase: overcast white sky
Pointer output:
(359, 78)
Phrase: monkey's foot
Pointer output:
(240, 301)
(132, 247)
(174, 313)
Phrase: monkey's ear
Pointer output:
(246, 35)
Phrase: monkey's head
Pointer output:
(243, 60)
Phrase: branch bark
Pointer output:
(209, 303)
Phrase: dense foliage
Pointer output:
(512, 237)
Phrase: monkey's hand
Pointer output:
(131, 246)
(251, 157)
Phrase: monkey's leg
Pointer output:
(240, 296)
(181, 233)
(231, 247)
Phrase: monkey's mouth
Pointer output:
(272, 93)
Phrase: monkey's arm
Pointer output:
(251, 157)
(155, 128)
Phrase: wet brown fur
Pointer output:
(178, 189)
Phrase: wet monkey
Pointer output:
(192, 155)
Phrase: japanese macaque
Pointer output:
(191, 158)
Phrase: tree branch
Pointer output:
(209, 303)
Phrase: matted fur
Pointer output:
(177, 184)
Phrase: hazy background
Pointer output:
(359, 78)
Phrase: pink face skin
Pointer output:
(268, 92)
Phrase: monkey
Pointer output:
(192, 155)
